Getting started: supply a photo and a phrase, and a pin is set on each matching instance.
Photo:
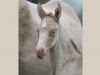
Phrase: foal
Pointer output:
(52, 37)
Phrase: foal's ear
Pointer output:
(58, 12)
(41, 12)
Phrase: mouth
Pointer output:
(41, 55)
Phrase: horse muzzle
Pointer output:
(40, 53)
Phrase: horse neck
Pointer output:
(56, 59)
(56, 54)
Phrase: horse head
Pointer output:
(47, 31)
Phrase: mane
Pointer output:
(64, 40)
(57, 50)
(50, 14)
(61, 36)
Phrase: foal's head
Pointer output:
(48, 30)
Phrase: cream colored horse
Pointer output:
(59, 38)
(29, 64)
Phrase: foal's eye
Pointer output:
(52, 33)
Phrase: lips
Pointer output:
(40, 55)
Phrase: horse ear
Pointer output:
(41, 12)
(58, 12)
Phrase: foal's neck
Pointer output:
(56, 60)
(56, 57)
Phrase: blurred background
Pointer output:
(75, 4)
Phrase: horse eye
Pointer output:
(52, 33)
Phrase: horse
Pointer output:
(50, 40)
(29, 64)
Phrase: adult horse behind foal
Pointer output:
(51, 28)
(29, 64)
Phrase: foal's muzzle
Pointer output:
(40, 53)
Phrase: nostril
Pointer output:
(40, 52)
(42, 49)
